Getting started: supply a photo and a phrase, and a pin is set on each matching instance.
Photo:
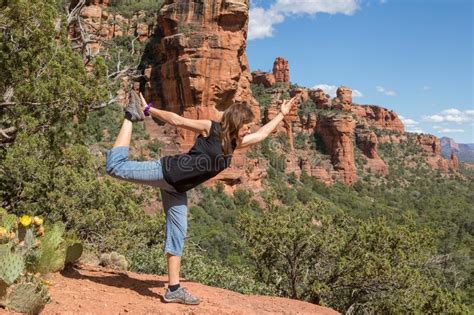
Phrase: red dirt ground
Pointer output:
(96, 290)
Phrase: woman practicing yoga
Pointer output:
(174, 175)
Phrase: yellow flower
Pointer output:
(25, 220)
(3, 232)
(37, 221)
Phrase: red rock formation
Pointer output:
(454, 161)
(378, 117)
(337, 132)
(468, 166)
(292, 164)
(99, 25)
(367, 142)
(306, 123)
(393, 138)
(344, 95)
(322, 175)
(431, 144)
(264, 78)
(319, 172)
(302, 94)
(321, 99)
(281, 70)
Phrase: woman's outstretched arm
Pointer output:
(268, 128)
(201, 126)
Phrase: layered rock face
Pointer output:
(280, 73)
(321, 99)
(201, 67)
(264, 78)
(100, 25)
(454, 161)
(379, 117)
(337, 132)
(432, 145)
(344, 95)
(367, 142)
(429, 143)
(320, 172)
(281, 70)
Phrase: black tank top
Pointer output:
(204, 160)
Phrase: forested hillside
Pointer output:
(362, 238)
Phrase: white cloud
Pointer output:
(448, 130)
(415, 129)
(383, 90)
(408, 121)
(453, 115)
(357, 93)
(261, 20)
(332, 90)
(383, 1)
(434, 118)
(451, 111)
(426, 88)
(411, 124)
(289, 7)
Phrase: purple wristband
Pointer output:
(146, 111)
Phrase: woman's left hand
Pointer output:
(287, 106)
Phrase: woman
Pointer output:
(174, 175)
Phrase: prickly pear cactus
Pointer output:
(11, 267)
(28, 295)
(9, 222)
(73, 252)
(5, 249)
(51, 254)
(27, 240)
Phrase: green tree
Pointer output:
(355, 266)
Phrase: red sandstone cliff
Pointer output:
(337, 132)
(431, 145)
(367, 142)
(99, 25)
(280, 73)
(281, 70)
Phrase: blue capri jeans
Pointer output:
(150, 173)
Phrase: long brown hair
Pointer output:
(233, 118)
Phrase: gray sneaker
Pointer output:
(181, 296)
(134, 111)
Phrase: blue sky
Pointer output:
(414, 57)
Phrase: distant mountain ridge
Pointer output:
(464, 151)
